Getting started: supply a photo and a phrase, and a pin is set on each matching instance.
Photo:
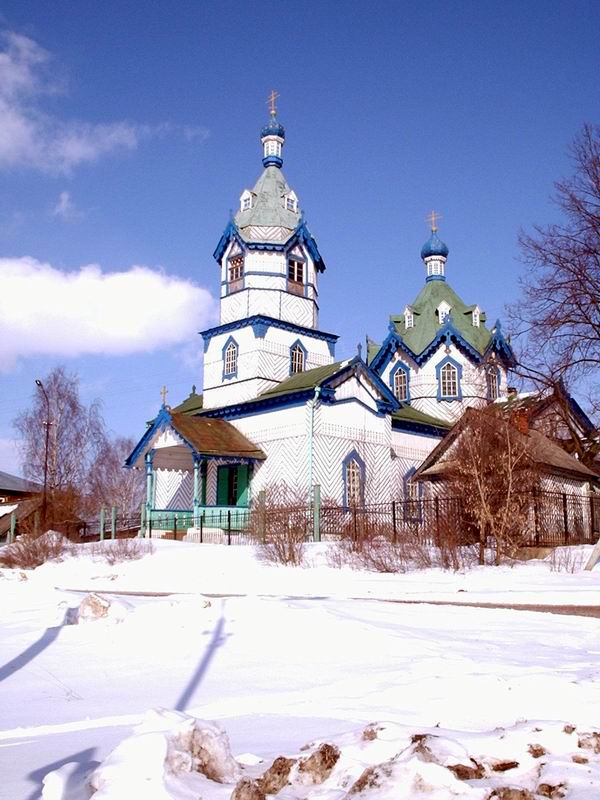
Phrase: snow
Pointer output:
(277, 657)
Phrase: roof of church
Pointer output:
(215, 437)
(409, 414)
(268, 206)
(304, 380)
(192, 403)
(426, 323)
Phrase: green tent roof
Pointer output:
(268, 205)
(426, 323)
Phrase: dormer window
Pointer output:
(246, 201)
(290, 204)
(409, 318)
(476, 317)
(443, 311)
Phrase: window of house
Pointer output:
(353, 482)
(236, 268)
(290, 204)
(231, 355)
(246, 203)
(476, 318)
(296, 271)
(297, 359)
(401, 384)
(492, 384)
(412, 499)
(443, 312)
(449, 381)
(409, 320)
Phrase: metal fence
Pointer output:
(551, 519)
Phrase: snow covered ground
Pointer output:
(286, 656)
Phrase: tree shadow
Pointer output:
(217, 639)
(82, 764)
(45, 640)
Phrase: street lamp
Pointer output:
(40, 385)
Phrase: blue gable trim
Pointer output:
(227, 376)
(230, 232)
(406, 369)
(391, 343)
(449, 333)
(161, 421)
(303, 236)
(264, 323)
(499, 345)
(438, 370)
(259, 406)
(353, 456)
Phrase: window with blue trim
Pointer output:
(235, 273)
(399, 382)
(231, 358)
(354, 480)
(413, 493)
(449, 375)
(492, 379)
(296, 359)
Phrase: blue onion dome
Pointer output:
(273, 128)
(434, 247)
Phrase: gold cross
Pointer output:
(271, 102)
(163, 394)
(432, 219)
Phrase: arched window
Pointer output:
(413, 493)
(449, 381)
(297, 359)
(231, 355)
(353, 482)
(401, 384)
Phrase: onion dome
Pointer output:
(273, 128)
(434, 247)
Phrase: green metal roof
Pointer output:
(409, 414)
(426, 323)
(268, 206)
(191, 404)
(304, 380)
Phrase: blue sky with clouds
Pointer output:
(128, 131)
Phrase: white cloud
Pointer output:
(46, 311)
(65, 208)
(34, 139)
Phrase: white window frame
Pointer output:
(296, 360)
(401, 384)
(295, 269)
(231, 357)
(448, 381)
(246, 204)
(353, 483)
(492, 384)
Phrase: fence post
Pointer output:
(316, 513)
(592, 520)
(113, 522)
(142, 532)
(394, 528)
(565, 518)
(262, 506)
(13, 526)
(102, 524)
(354, 524)
(437, 535)
(149, 524)
(228, 526)
(201, 526)
(36, 523)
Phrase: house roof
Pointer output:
(427, 325)
(547, 455)
(268, 207)
(215, 437)
(535, 403)
(409, 414)
(12, 483)
(302, 381)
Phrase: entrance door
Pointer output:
(233, 485)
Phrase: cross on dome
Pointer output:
(271, 102)
(432, 219)
(272, 135)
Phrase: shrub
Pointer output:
(279, 523)
(122, 550)
(30, 551)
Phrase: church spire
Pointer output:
(272, 136)
(434, 252)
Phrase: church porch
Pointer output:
(198, 473)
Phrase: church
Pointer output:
(278, 408)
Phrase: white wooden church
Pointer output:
(277, 408)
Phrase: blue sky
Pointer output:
(128, 131)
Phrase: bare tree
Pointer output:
(560, 308)
(491, 469)
(60, 432)
(109, 483)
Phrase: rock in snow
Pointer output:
(96, 606)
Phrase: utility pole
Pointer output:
(40, 386)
